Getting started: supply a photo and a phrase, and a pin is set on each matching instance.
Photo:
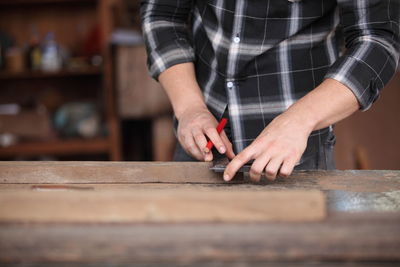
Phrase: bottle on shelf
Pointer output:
(51, 55)
(34, 53)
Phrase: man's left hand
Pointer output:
(275, 151)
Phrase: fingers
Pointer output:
(241, 159)
(212, 133)
(197, 137)
(201, 143)
(200, 139)
(287, 167)
(201, 125)
(229, 149)
(190, 147)
(258, 166)
(272, 168)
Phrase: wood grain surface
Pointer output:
(165, 205)
(340, 239)
(129, 213)
(186, 173)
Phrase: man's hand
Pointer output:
(281, 144)
(197, 123)
(276, 150)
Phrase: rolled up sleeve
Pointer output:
(371, 31)
(165, 31)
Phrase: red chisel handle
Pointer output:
(220, 127)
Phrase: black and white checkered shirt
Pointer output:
(258, 57)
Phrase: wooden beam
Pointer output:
(186, 173)
(342, 238)
(162, 205)
(107, 172)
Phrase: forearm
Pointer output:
(327, 104)
(179, 81)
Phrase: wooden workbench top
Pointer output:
(361, 222)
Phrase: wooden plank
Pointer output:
(163, 205)
(345, 237)
(344, 201)
(187, 172)
(107, 172)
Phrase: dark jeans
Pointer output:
(319, 153)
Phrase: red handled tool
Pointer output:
(220, 127)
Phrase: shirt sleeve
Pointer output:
(165, 31)
(371, 33)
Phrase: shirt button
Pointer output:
(236, 39)
(229, 85)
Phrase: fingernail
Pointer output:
(226, 177)
(206, 150)
(222, 149)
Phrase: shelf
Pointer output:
(71, 21)
(5, 75)
(44, 2)
(59, 147)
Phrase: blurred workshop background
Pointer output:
(74, 86)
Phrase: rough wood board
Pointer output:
(346, 237)
(186, 172)
(107, 172)
(161, 206)
(344, 201)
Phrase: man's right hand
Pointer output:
(196, 124)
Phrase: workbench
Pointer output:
(91, 214)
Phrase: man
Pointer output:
(273, 68)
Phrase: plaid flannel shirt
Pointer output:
(257, 58)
